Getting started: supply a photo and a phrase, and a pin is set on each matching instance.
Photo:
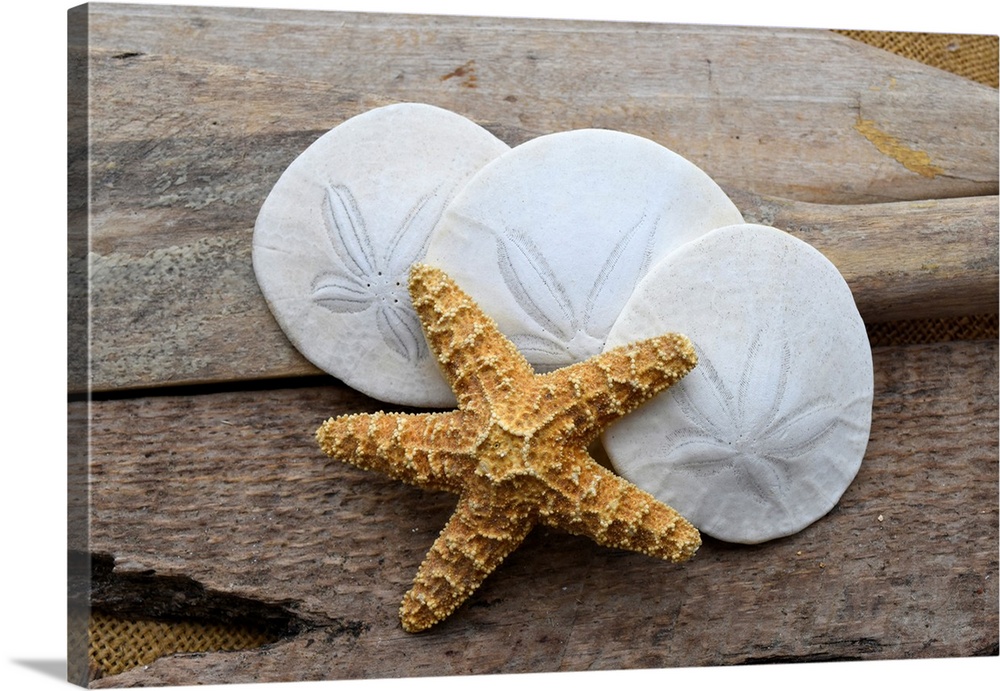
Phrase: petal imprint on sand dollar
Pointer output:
(739, 436)
(571, 222)
(336, 236)
(370, 280)
(766, 435)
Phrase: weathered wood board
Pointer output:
(230, 490)
(887, 166)
(792, 112)
(183, 151)
(193, 313)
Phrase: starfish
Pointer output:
(515, 450)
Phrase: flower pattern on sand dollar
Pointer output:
(730, 432)
(374, 280)
(579, 328)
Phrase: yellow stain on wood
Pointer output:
(917, 161)
(466, 72)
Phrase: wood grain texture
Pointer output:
(190, 130)
(747, 105)
(192, 312)
(221, 502)
(230, 490)
(905, 260)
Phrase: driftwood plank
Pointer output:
(912, 260)
(204, 148)
(191, 311)
(802, 114)
(189, 131)
(228, 491)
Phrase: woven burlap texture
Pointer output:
(973, 57)
(117, 644)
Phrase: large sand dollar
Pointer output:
(765, 434)
(336, 237)
(551, 237)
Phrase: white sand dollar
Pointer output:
(335, 239)
(551, 238)
(765, 434)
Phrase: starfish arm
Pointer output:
(477, 538)
(615, 513)
(602, 389)
(428, 450)
(474, 356)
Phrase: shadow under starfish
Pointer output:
(515, 450)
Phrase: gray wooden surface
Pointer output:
(888, 166)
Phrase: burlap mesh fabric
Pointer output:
(970, 328)
(117, 644)
(973, 57)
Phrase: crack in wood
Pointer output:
(130, 591)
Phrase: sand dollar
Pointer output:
(765, 434)
(551, 237)
(335, 239)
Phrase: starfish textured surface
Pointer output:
(515, 450)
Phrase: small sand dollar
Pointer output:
(335, 239)
(766, 433)
(551, 237)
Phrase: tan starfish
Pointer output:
(515, 450)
